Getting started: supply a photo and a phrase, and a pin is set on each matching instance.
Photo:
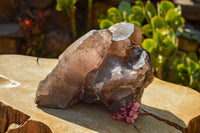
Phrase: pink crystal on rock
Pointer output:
(103, 65)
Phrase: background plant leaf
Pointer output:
(139, 3)
(157, 22)
(150, 10)
(105, 23)
(137, 15)
(125, 8)
(193, 56)
(146, 30)
(114, 18)
(165, 6)
(136, 23)
(114, 10)
(148, 44)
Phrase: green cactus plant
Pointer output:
(162, 27)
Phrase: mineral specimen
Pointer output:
(104, 65)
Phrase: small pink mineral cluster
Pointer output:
(128, 114)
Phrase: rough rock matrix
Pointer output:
(103, 65)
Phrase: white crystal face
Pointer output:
(99, 85)
(141, 61)
(121, 31)
(116, 72)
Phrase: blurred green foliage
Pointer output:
(69, 9)
(159, 27)
(66, 6)
(125, 13)
(187, 71)
(36, 46)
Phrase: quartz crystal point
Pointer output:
(63, 86)
(103, 65)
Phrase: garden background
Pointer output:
(45, 28)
